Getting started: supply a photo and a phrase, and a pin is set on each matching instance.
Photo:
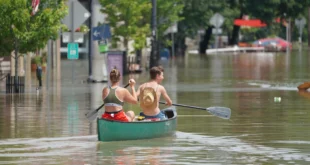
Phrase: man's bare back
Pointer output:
(157, 76)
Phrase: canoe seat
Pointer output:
(169, 113)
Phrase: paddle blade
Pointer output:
(221, 112)
(91, 115)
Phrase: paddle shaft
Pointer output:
(221, 112)
(187, 106)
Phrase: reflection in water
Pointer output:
(40, 151)
(51, 127)
(136, 152)
(305, 94)
(185, 148)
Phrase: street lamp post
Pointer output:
(287, 32)
(154, 52)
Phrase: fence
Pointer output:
(10, 84)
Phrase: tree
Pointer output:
(268, 11)
(126, 17)
(168, 13)
(29, 32)
(22, 32)
(197, 13)
(131, 19)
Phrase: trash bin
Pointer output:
(164, 54)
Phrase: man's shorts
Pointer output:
(161, 116)
(119, 116)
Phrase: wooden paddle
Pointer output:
(92, 115)
(221, 112)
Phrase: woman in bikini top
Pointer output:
(115, 96)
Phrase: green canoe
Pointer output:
(109, 130)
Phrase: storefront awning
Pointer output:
(249, 23)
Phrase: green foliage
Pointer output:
(126, 18)
(168, 13)
(130, 19)
(29, 32)
(83, 28)
(197, 13)
(36, 60)
(39, 60)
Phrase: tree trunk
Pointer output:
(125, 44)
(309, 27)
(16, 68)
(235, 33)
(182, 47)
(154, 57)
(203, 45)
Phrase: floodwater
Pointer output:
(50, 128)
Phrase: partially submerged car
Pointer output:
(273, 44)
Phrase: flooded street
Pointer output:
(51, 128)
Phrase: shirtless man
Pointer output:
(153, 111)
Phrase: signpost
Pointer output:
(217, 21)
(73, 54)
(76, 17)
(172, 29)
(73, 51)
(101, 32)
(103, 46)
(300, 23)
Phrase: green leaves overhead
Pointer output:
(30, 32)
(127, 19)
(168, 13)
(131, 19)
(197, 13)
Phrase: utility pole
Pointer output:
(154, 51)
(309, 27)
(16, 89)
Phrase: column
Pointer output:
(98, 61)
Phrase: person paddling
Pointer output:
(115, 96)
(149, 94)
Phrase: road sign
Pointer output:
(201, 31)
(217, 31)
(217, 20)
(79, 14)
(73, 51)
(77, 37)
(101, 32)
(103, 46)
(300, 23)
(172, 29)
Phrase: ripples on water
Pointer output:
(261, 130)
(184, 148)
